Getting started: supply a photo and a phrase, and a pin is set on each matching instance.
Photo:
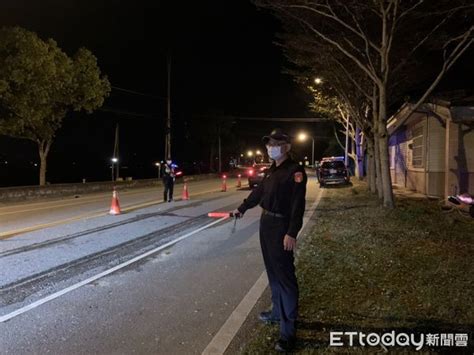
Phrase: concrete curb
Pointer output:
(26, 193)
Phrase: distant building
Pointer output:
(432, 152)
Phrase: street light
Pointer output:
(318, 81)
(250, 154)
(302, 137)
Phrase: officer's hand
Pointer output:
(237, 214)
(289, 243)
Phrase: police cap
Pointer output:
(277, 134)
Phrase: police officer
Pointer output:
(282, 198)
(168, 176)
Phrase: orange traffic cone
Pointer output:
(115, 208)
(239, 182)
(185, 191)
(224, 183)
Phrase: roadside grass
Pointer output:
(369, 269)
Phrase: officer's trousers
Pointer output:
(168, 189)
(281, 273)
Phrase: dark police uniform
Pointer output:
(282, 198)
(168, 181)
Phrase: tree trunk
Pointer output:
(378, 179)
(386, 178)
(43, 150)
(353, 156)
(371, 165)
(337, 137)
(388, 200)
(359, 154)
(42, 174)
(376, 151)
(382, 110)
(367, 163)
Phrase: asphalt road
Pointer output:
(26, 216)
(160, 278)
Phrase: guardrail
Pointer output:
(22, 193)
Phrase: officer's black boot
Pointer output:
(284, 346)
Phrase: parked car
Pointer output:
(333, 171)
(255, 174)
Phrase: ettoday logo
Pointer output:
(392, 339)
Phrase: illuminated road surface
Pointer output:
(68, 289)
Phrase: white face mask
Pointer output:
(274, 152)
(168, 162)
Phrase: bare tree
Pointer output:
(342, 95)
(369, 33)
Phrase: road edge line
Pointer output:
(221, 341)
(66, 290)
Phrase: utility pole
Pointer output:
(168, 118)
(220, 155)
(115, 158)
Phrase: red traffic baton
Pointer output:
(226, 215)
(220, 214)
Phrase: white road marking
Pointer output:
(224, 336)
(62, 292)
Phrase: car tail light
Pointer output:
(250, 172)
(262, 169)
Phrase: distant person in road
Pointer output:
(282, 198)
(168, 176)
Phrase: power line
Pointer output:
(126, 113)
(283, 119)
(137, 93)
(272, 119)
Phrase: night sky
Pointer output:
(224, 62)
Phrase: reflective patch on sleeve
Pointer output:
(299, 177)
